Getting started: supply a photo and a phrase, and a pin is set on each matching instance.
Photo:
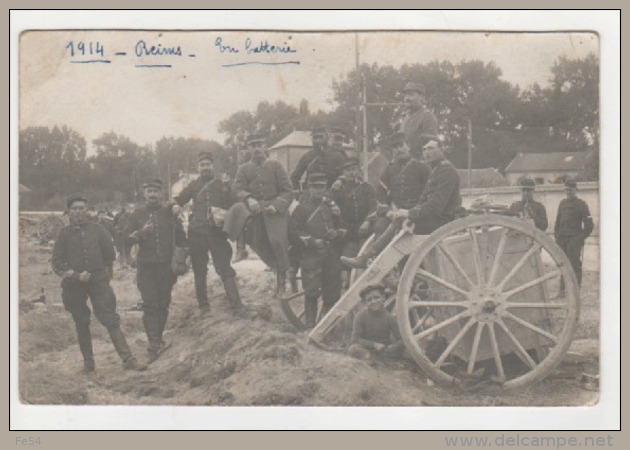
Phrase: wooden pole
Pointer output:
(357, 115)
(365, 138)
(469, 152)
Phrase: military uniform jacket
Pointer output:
(440, 200)
(419, 127)
(402, 183)
(156, 245)
(535, 211)
(108, 224)
(205, 192)
(356, 200)
(312, 219)
(326, 161)
(121, 221)
(268, 183)
(574, 218)
(87, 247)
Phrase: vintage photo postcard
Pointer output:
(301, 218)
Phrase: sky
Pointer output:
(214, 74)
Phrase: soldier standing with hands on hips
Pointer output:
(83, 257)
(156, 231)
(573, 225)
(211, 197)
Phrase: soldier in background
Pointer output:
(573, 225)
(83, 256)
(211, 197)
(106, 222)
(156, 231)
(529, 208)
(253, 142)
(419, 125)
(264, 187)
(399, 189)
(318, 232)
(121, 222)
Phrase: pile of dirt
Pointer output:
(42, 227)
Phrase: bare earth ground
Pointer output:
(223, 360)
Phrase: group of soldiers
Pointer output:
(312, 221)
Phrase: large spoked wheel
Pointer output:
(502, 302)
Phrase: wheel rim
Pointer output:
(490, 302)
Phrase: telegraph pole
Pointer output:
(469, 152)
(360, 142)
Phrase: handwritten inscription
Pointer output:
(85, 49)
(144, 49)
(250, 47)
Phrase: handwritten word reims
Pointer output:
(250, 48)
(143, 49)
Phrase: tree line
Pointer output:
(468, 98)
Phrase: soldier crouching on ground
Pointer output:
(156, 232)
(211, 198)
(316, 229)
(375, 332)
(83, 256)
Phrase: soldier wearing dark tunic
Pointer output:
(419, 125)
(573, 225)
(318, 231)
(529, 208)
(156, 231)
(211, 197)
(264, 187)
(399, 189)
(83, 256)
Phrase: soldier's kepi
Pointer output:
(211, 197)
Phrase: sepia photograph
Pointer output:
(309, 218)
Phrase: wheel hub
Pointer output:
(486, 305)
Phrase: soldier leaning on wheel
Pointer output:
(155, 230)
(529, 208)
(573, 225)
(318, 231)
(83, 256)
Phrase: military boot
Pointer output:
(201, 290)
(152, 330)
(310, 312)
(120, 344)
(292, 276)
(281, 281)
(85, 344)
(232, 294)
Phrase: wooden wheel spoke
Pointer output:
(439, 326)
(497, 257)
(447, 351)
(444, 249)
(495, 351)
(424, 303)
(475, 347)
(520, 351)
(441, 281)
(420, 321)
(537, 305)
(476, 257)
(533, 249)
(532, 283)
(531, 326)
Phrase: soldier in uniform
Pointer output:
(527, 207)
(211, 197)
(375, 331)
(399, 189)
(419, 125)
(83, 256)
(264, 187)
(573, 225)
(318, 232)
(356, 200)
(156, 231)
(253, 141)
(326, 156)
(106, 222)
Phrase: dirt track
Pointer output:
(222, 360)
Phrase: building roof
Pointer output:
(481, 178)
(546, 162)
(295, 139)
